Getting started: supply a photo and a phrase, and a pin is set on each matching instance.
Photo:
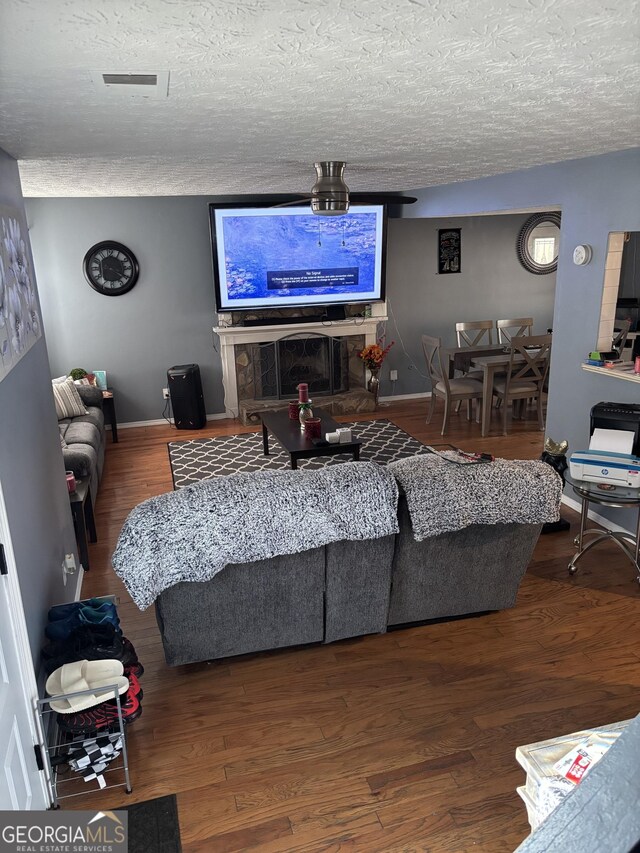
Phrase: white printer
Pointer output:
(611, 457)
(597, 466)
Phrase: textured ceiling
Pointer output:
(409, 92)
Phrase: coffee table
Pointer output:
(293, 440)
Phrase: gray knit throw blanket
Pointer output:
(443, 496)
(192, 534)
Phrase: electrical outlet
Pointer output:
(165, 393)
(393, 375)
(68, 567)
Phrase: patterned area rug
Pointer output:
(202, 458)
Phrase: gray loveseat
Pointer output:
(345, 589)
(84, 439)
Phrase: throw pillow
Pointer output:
(67, 400)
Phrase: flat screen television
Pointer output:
(266, 257)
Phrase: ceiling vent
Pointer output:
(130, 79)
(139, 84)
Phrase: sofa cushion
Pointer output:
(67, 400)
(461, 386)
(90, 395)
(80, 431)
(94, 416)
(517, 386)
(82, 459)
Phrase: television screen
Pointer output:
(281, 258)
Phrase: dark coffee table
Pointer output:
(292, 439)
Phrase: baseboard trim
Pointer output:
(219, 416)
(594, 516)
(422, 396)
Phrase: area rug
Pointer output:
(154, 826)
(202, 458)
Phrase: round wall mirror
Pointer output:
(538, 243)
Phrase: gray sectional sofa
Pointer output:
(84, 439)
(345, 589)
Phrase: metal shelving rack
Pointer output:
(54, 743)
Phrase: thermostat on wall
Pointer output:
(582, 255)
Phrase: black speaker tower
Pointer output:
(187, 399)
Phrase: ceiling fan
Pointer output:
(330, 195)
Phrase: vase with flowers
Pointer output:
(373, 356)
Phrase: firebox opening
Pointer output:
(319, 360)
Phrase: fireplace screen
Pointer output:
(319, 360)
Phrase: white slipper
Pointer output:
(93, 675)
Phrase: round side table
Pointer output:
(616, 497)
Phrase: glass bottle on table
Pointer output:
(306, 412)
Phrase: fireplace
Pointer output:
(272, 370)
(320, 361)
(262, 366)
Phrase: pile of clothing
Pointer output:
(88, 661)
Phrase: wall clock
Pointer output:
(111, 268)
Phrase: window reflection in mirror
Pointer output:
(544, 249)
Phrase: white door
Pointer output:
(22, 785)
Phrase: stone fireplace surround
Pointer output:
(235, 345)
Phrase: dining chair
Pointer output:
(526, 375)
(508, 329)
(483, 333)
(474, 333)
(451, 390)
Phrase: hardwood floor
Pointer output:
(396, 742)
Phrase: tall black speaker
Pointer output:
(187, 400)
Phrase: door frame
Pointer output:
(28, 683)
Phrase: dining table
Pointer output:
(459, 358)
(492, 365)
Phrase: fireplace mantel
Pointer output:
(231, 335)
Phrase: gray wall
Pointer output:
(492, 285)
(32, 470)
(597, 195)
(167, 318)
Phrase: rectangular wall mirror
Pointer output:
(620, 310)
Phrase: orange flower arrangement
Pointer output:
(375, 354)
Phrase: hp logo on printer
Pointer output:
(604, 471)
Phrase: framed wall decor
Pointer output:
(101, 379)
(449, 257)
(20, 323)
